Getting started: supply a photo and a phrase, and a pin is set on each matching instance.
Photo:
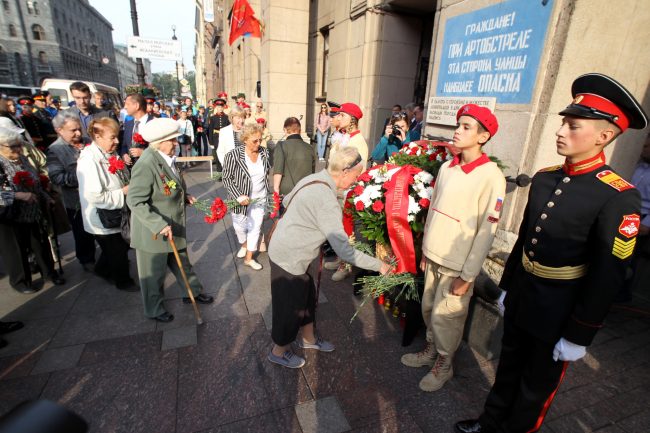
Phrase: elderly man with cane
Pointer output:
(157, 199)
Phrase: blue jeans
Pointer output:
(321, 142)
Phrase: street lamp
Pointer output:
(178, 80)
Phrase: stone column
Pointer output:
(284, 61)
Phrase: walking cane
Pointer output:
(199, 321)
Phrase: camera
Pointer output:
(396, 130)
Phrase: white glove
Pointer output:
(567, 351)
(499, 303)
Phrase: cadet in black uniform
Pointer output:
(217, 121)
(575, 242)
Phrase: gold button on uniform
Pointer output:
(533, 241)
(531, 253)
(538, 229)
(550, 204)
(558, 191)
(543, 216)
(566, 180)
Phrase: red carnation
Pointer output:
(24, 179)
(139, 140)
(218, 209)
(432, 157)
(115, 164)
(424, 202)
(359, 206)
(364, 177)
(276, 205)
(358, 190)
(378, 206)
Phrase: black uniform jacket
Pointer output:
(215, 124)
(578, 214)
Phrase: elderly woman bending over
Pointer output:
(245, 176)
(313, 216)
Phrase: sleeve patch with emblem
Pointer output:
(499, 204)
(623, 249)
(629, 227)
(614, 180)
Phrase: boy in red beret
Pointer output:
(460, 227)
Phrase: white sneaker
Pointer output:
(342, 272)
(253, 264)
(333, 265)
(241, 253)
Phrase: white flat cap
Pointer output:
(160, 129)
(6, 123)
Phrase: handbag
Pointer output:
(183, 139)
(275, 223)
(125, 225)
(110, 218)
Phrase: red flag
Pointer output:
(243, 21)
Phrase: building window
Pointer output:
(67, 40)
(5, 5)
(12, 30)
(30, 7)
(42, 58)
(37, 11)
(326, 60)
(38, 32)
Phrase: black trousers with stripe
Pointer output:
(527, 379)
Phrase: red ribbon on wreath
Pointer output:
(397, 207)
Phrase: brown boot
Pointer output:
(441, 372)
(425, 357)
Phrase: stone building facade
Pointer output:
(55, 39)
(371, 52)
(380, 52)
(208, 56)
(127, 69)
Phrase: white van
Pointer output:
(61, 89)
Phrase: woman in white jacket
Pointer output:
(103, 184)
(229, 135)
(187, 130)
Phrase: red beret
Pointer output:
(351, 109)
(482, 115)
(223, 95)
(260, 120)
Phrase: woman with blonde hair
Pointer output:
(103, 186)
(229, 136)
(245, 176)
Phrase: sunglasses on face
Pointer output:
(401, 114)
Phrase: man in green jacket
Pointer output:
(157, 200)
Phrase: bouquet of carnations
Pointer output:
(391, 202)
(217, 209)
